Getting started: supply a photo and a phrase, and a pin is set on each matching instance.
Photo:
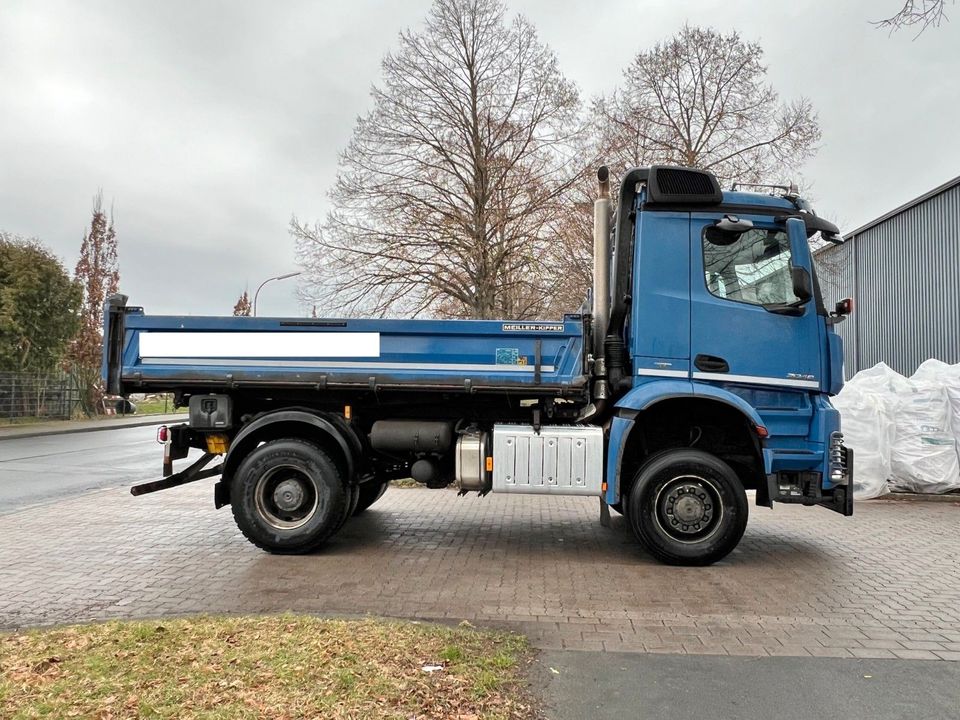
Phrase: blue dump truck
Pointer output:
(701, 368)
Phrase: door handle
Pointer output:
(711, 363)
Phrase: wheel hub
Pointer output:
(687, 508)
(288, 495)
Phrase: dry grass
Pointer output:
(406, 484)
(156, 404)
(265, 667)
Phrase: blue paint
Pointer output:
(835, 361)
(661, 291)
(676, 318)
(726, 395)
(753, 340)
(648, 391)
(620, 428)
(492, 355)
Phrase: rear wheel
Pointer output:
(687, 507)
(353, 496)
(354, 499)
(370, 492)
(289, 496)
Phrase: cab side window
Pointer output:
(751, 267)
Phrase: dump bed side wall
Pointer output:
(172, 352)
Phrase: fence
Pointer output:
(36, 395)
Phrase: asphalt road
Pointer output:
(577, 685)
(39, 469)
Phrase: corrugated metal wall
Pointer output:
(904, 275)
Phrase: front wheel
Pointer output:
(289, 496)
(687, 507)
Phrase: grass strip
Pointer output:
(285, 666)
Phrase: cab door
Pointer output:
(660, 310)
(751, 319)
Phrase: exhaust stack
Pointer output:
(601, 297)
(601, 267)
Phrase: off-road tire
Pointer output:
(308, 470)
(669, 491)
(353, 496)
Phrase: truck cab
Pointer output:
(702, 370)
(731, 351)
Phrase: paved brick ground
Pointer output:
(803, 581)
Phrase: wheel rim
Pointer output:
(688, 508)
(286, 497)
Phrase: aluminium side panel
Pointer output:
(556, 460)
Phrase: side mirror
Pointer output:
(802, 287)
(844, 307)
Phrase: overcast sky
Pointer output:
(208, 124)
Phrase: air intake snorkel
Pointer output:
(614, 347)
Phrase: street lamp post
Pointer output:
(278, 277)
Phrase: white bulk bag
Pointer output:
(867, 405)
(950, 376)
(866, 419)
(924, 457)
(881, 379)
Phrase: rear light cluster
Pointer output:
(163, 434)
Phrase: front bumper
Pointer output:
(806, 487)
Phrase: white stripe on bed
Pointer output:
(259, 345)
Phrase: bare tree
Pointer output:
(922, 13)
(571, 263)
(448, 192)
(98, 272)
(243, 306)
(700, 99)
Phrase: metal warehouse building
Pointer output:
(903, 272)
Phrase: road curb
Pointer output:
(13, 434)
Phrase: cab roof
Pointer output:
(765, 200)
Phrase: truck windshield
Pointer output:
(751, 267)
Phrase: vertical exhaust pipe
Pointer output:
(601, 297)
(601, 267)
